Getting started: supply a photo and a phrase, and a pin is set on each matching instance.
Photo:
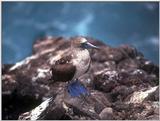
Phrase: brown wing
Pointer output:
(63, 70)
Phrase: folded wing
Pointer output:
(63, 70)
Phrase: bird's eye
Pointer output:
(83, 45)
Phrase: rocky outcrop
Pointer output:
(121, 82)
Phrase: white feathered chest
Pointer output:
(81, 61)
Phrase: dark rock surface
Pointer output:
(122, 85)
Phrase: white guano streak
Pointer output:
(28, 59)
(38, 110)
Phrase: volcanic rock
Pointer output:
(122, 85)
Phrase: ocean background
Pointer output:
(114, 23)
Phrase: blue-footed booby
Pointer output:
(73, 64)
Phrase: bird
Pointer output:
(73, 64)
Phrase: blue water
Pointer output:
(114, 23)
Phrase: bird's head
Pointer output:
(83, 43)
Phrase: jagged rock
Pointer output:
(122, 84)
(107, 114)
(121, 92)
(87, 107)
(140, 96)
(106, 80)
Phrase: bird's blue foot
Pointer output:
(76, 89)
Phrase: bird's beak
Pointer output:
(89, 45)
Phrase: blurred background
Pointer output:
(114, 23)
